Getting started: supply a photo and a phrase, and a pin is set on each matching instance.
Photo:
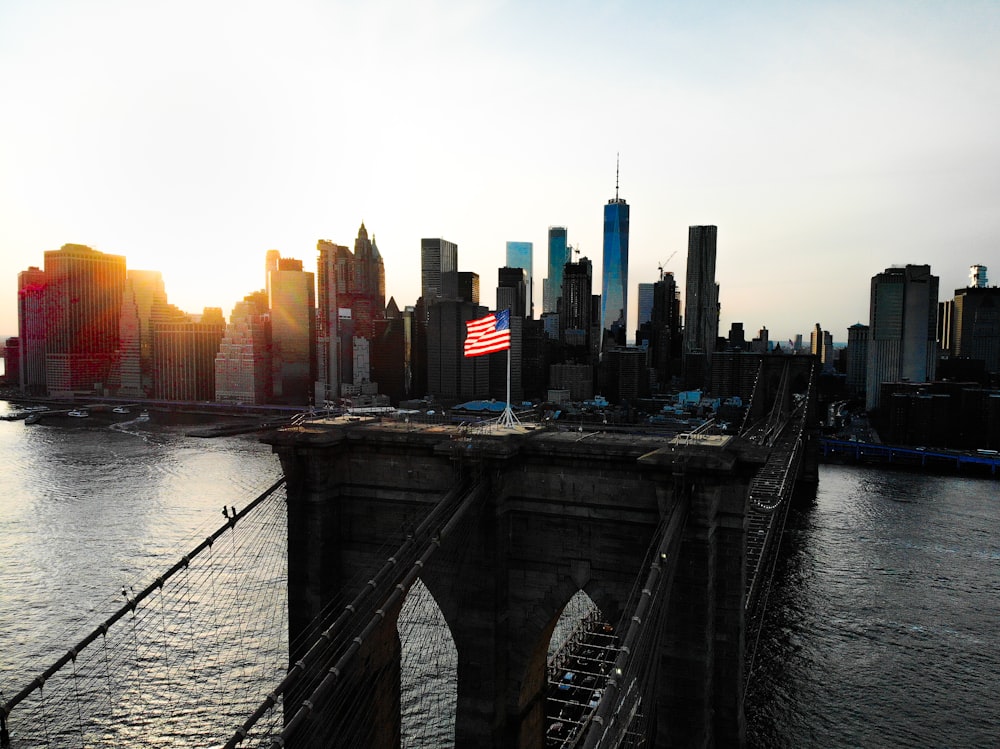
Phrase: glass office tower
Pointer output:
(559, 253)
(520, 255)
(614, 275)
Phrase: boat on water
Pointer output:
(120, 410)
(32, 418)
(144, 416)
(79, 414)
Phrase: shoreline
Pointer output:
(204, 420)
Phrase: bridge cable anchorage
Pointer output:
(144, 620)
(456, 500)
(470, 494)
(632, 664)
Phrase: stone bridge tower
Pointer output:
(557, 512)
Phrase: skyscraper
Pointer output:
(31, 326)
(351, 286)
(976, 325)
(390, 354)
(902, 329)
(821, 345)
(559, 255)
(701, 305)
(243, 363)
(331, 279)
(451, 374)
(577, 314)
(144, 290)
(184, 354)
(614, 273)
(438, 271)
(521, 255)
(645, 303)
(512, 289)
(661, 334)
(857, 358)
(291, 299)
(83, 297)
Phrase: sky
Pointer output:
(826, 140)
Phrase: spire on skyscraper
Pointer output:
(618, 157)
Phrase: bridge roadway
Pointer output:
(564, 511)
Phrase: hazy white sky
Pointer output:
(827, 141)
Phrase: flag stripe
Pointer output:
(488, 334)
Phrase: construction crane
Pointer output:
(663, 265)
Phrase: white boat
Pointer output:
(120, 410)
(144, 416)
(78, 414)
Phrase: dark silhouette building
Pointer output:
(976, 325)
(534, 360)
(902, 328)
(468, 286)
(857, 359)
(512, 290)
(389, 355)
(12, 362)
(701, 306)
(452, 376)
(32, 325)
(438, 271)
(577, 312)
(662, 334)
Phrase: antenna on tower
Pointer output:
(617, 164)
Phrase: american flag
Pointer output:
(488, 334)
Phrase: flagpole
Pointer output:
(507, 418)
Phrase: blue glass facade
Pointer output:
(559, 253)
(521, 255)
(614, 281)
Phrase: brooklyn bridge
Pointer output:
(305, 619)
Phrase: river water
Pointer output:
(881, 629)
(882, 626)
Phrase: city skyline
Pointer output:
(826, 142)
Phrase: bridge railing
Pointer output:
(630, 676)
